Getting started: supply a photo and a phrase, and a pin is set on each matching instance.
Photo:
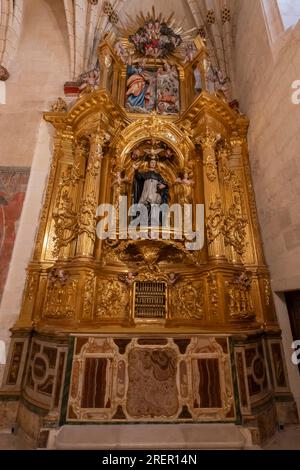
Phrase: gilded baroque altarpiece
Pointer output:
(131, 330)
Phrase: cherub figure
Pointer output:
(59, 275)
(127, 278)
(173, 278)
(190, 52)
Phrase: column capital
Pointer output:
(98, 136)
(208, 139)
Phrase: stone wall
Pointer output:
(265, 70)
(37, 75)
(264, 75)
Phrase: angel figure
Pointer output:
(121, 52)
(183, 188)
(60, 275)
(190, 52)
(127, 278)
(119, 186)
(173, 278)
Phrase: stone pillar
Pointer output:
(213, 201)
(90, 197)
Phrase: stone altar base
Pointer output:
(173, 381)
(151, 436)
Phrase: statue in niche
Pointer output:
(150, 188)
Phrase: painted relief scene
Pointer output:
(149, 89)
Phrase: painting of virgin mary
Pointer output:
(139, 89)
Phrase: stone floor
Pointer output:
(9, 441)
(288, 439)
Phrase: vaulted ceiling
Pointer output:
(88, 20)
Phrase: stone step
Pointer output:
(152, 436)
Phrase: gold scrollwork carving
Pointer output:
(61, 299)
(148, 254)
(65, 222)
(215, 220)
(231, 225)
(208, 140)
(112, 299)
(60, 106)
(267, 290)
(64, 215)
(229, 177)
(213, 296)
(94, 164)
(188, 301)
(234, 227)
(240, 305)
(211, 169)
(31, 285)
(88, 296)
(87, 216)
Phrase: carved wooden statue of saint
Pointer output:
(150, 189)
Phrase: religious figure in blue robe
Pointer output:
(138, 92)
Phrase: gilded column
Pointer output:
(235, 218)
(45, 218)
(64, 212)
(105, 65)
(213, 201)
(88, 205)
(103, 195)
(254, 230)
